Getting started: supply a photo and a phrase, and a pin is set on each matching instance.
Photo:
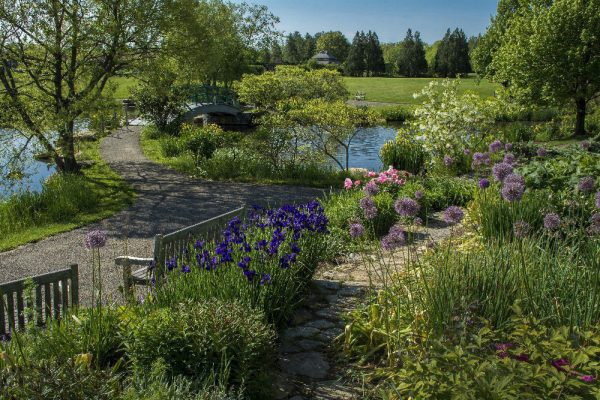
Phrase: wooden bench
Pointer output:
(360, 96)
(53, 293)
(169, 246)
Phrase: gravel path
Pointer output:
(167, 201)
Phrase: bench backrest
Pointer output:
(53, 294)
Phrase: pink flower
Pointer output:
(357, 183)
(348, 183)
(587, 378)
(371, 174)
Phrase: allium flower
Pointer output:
(419, 194)
(95, 239)
(501, 171)
(598, 200)
(368, 206)
(587, 378)
(356, 230)
(347, 183)
(512, 191)
(595, 224)
(448, 161)
(453, 215)
(466, 152)
(508, 146)
(552, 221)
(394, 239)
(521, 229)
(514, 178)
(585, 145)
(509, 158)
(417, 221)
(480, 159)
(484, 183)
(586, 185)
(371, 188)
(495, 146)
(407, 207)
(542, 152)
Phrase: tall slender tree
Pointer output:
(293, 51)
(374, 62)
(452, 57)
(411, 58)
(355, 63)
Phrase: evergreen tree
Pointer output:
(374, 62)
(276, 53)
(411, 59)
(452, 57)
(355, 63)
(310, 47)
(293, 52)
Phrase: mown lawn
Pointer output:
(124, 85)
(400, 90)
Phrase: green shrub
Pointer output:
(201, 142)
(203, 339)
(396, 113)
(404, 153)
(516, 132)
(170, 147)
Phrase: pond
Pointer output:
(31, 175)
(364, 149)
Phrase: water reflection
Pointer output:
(364, 149)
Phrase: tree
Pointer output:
(452, 56)
(550, 53)
(411, 58)
(334, 43)
(293, 51)
(374, 63)
(329, 126)
(310, 47)
(56, 59)
(355, 63)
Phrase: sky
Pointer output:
(389, 18)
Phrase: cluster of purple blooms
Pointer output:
(95, 240)
(284, 225)
(448, 161)
(367, 204)
(521, 229)
(407, 207)
(586, 185)
(453, 215)
(480, 159)
(552, 221)
(371, 188)
(496, 146)
(513, 187)
(501, 171)
(394, 239)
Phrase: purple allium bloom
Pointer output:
(542, 152)
(514, 178)
(417, 221)
(407, 207)
(586, 185)
(509, 158)
(521, 229)
(368, 206)
(484, 183)
(522, 357)
(495, 146)
(598, 200)
(394, 239)
(265, 279)
(480, 159)
(595, 224)
(419, 194)
(552, 221)
(356, 230)
(448, 161)
(587, 378)
(512, 191)
(501, 171)
(585, 145)
(508, 146)
(453, 215)
(95, 239)
(371, 188)
(466, 152)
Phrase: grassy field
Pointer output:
(123, 87)
(112, 193)
(400, 90)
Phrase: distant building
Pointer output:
(324, 58)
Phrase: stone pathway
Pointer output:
(309, 366)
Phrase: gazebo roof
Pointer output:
(323, 55)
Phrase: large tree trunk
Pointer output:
(580, 121)
(67, 162)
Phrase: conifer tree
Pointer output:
(355, 63)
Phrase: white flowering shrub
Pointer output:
(450, 123)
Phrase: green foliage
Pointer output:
(452, 56)
(396, 113)
(405, 153)
(201, 142)
(334, 43)
(200, 340)
(161, 101)
(355, 63)
(470, 368)
(411, 60)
